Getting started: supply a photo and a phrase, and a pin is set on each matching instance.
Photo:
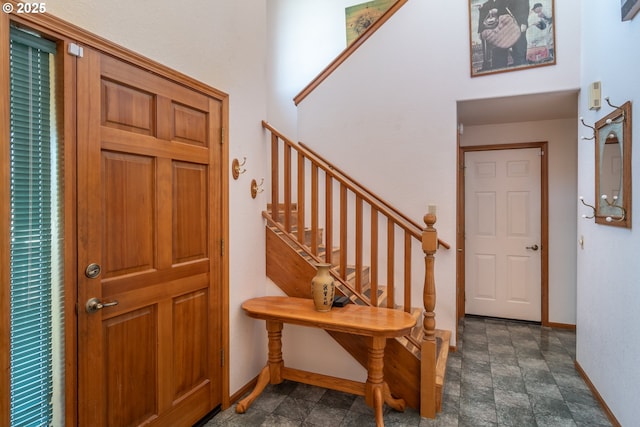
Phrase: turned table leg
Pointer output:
(272, 372)
(275, 362)
(374, 389)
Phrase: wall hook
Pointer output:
(593, 208)
(618, 119)
(609, 218)
(590, 127)
(606, 98)
(613, 205)
(256, 188)
(236, 166)
(621, 118)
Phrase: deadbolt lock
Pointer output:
(92, 271)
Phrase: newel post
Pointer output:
(429, 246)
(429, 345)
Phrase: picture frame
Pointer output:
(511, 35)
(629, 8)
(361, 16)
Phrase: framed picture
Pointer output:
(629, 8)
(361, 16)
(511, 35)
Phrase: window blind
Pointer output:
(36, 256)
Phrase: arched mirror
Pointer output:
(613, 167)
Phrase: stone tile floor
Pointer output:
(505, 373)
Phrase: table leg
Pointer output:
(272, 372)
(374, 389)
(263, 380)
(397, 404)
(275, 363)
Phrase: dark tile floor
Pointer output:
(504, 374)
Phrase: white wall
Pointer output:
(562, 157)
(304, 37)
(608, 275)
(222, 44)
(388, 115)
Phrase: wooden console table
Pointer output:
(374, 322)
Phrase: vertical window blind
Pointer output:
(36, 232)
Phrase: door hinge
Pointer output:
(222, 247)
(75, 50)
(222, 136)
(222, 357)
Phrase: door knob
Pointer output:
(94, 304)
(533, 248)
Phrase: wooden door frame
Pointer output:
(544, 223)
(65, 33)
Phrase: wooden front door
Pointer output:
(503, 233)
(149, 247)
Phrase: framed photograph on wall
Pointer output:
(362, 16)
(511, 35)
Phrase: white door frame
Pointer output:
(544, 226)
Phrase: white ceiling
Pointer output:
(522, 108)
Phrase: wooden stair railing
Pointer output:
(350, 194)
(307, 194)
(400, 214)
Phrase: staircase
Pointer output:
(319, 214)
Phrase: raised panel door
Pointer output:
(148, 158)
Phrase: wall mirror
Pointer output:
(613, 167)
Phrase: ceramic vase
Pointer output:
(322, 288)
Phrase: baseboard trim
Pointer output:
(597, 395)
(244, 390)
(561, 326)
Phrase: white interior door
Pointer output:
(503, 233)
